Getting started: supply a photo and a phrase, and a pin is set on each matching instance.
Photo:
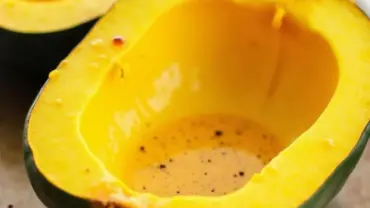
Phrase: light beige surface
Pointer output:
(14, 185)
(16, 97)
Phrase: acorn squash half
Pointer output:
(181, 103)
(35, 35)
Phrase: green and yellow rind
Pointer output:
(53, 197)
(338, 178)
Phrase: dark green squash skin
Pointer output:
(38, 53)
(53, 197)
(35, 55)
(49, 195)
(330, 188)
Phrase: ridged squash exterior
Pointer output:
(297, 177)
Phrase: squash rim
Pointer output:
(357, 151)
(349, 155)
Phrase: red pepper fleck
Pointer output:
(118, 41)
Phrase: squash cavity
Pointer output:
(199, 109)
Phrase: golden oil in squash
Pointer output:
(209, 155)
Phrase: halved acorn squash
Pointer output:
(37, 34)
(180, 103)
(42, 16)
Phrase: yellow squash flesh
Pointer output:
(38, 16)
(298, 68)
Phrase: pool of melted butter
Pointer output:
(209, 155)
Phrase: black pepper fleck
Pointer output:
(162, 166)
(142, 149)
(218, 133)
(239, 132)
(241, 173)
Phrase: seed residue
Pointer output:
(97, 42)
(54, 74)
(118, 41)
